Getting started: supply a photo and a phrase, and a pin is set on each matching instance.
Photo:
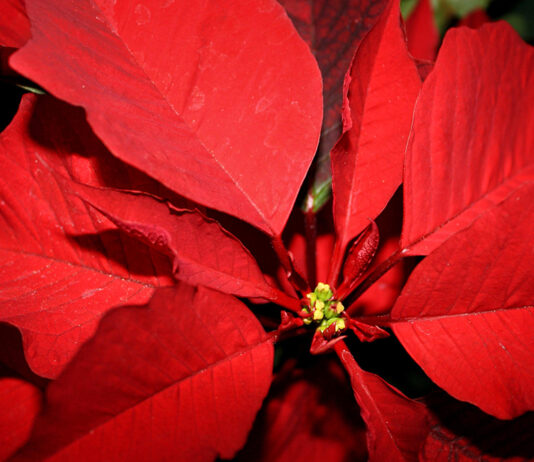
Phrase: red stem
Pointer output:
(282, 299)
(348, 361)
(311, 246)
(337, 258)
(293, 331)
(346, 288)
(294, 278)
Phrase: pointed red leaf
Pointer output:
(309, 416)
(203, 252)
(380, 92)
(466, 313)
(15, 27)
(472, 137)
(179, 379)
(190, 93)
(20, 403)
(422, 32)
(396, 425)
(333, 30)
(61, 266)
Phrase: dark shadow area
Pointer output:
(388, 359)
(310, 397)
(518, 13)
(256, 241)
(498, 8)
(464, 429)
(10, 96)
(267, 313)
(64, 130)
(12, 360)
(137, 258)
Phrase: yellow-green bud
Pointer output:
(340, 324)
(318, 315)
(325, 311)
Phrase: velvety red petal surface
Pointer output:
(380, 92)
(179, 379)
(20, 402)
(62, 266)
(466, 313)
(396, 425)
(203, 96)
(472, 138)
(15, 30)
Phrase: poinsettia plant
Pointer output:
(214, 209)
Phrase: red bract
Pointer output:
(15, 32)
(180, 355)
(56, 283)
(203, 120)
(203, 128)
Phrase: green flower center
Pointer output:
(323, 309)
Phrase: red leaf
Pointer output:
(309, 416)
(472, 137)
(380, 92)
(396, 425)
(62, 266)
(15, 30)
(20, 403)
(422, 33)
(181, 378)
(333, 30)
(466, 313)
(191, 94)
(203, 252)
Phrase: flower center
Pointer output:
(323, 309)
